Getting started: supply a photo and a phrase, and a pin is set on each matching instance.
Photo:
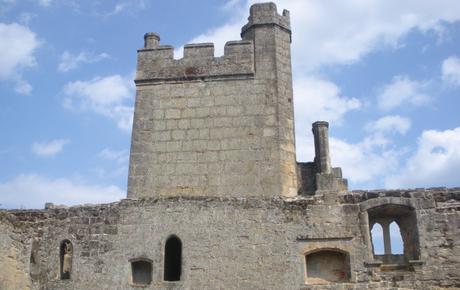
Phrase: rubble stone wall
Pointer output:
(230, 243)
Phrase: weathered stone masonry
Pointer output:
(216, 199)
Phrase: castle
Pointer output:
(216, 199)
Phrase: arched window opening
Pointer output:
(398, 228)
(141, 272)
(327, 266)
(377, 239)
(397, 245)
(173, 259)
(65, 254)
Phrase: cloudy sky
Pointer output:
(385, 74)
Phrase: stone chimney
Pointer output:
(319, 177)
(321, 136)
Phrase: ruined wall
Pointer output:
(239, 243)
(216, 126)
(14, 254)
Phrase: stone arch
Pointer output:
(65, 259)
(376, 202)
(173, 259)
(327, 265)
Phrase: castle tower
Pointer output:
(216, 126)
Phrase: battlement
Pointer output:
(156, 63)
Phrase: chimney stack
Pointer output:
(322, 159)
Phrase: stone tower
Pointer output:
(216, 126)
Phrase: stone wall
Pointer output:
(232, 243)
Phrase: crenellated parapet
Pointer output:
(156, 63)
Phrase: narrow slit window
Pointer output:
(173, 259)
(66, 255)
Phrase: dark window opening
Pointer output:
(142, 272)
(327, 266)
(65, 255)
(173, 259)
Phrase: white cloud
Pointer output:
(126, 6)
(342, 32)
(435, 163)
(51, 148)
(118, 167)
(23, 87)
(109, 96)
(402, 91)
(365, 161)
(451, 70)
(44, 3)
(120, 156)
(17, 46)
(32, 191)
(26, 17)
(71, 61)
(390, 124)
(319, 99)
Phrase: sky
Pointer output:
(384, 73)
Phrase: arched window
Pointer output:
(399, 230)
(65, 259)
(173, 259)
(141, 271)
(377, 239)
(397, 245)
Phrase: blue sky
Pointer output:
(385, 74)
